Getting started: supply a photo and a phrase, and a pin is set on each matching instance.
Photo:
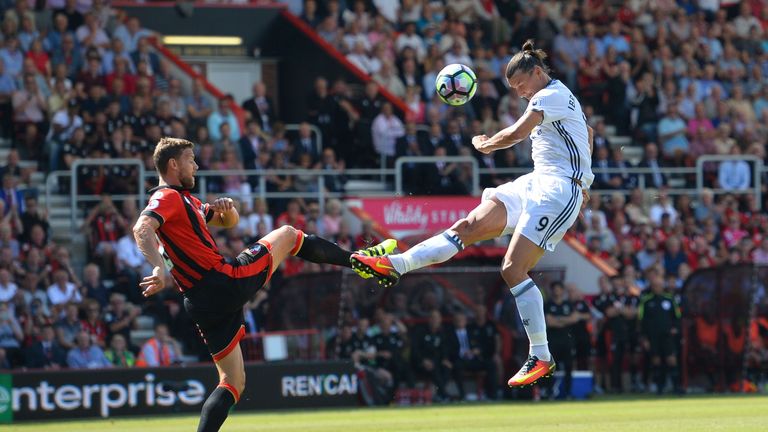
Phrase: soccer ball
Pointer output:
(456, 84)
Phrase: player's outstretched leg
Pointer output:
(227, 393)
(522, 255)
(288, 241)
(485, 222)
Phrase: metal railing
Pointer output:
(432, 160)
(757, 172)
(321, 194)
(395, 188)
(73, 199)
(640, 173)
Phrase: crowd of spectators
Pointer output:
(81, 80)
(686, 76)
(681, 79)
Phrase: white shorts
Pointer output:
(541, 207)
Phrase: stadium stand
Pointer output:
(665, 83)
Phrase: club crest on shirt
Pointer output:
(666, 305)
(254, 249)
(153, 204)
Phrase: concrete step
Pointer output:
(145, 322)
(365, 186)
(38, 179)
(618, 141)
(189, 359)
(61, 212)
(633, 154)
(138, 337)
(62, 227)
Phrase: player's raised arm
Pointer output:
(509, 136)
(225, 213)
(146, 239)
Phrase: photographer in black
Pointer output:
(582, 341)
(429, 353)
(629, 313)
(614, 332)
(486, 336)
(560, 316)
(389, 351)
(342, 345)
(659, 316)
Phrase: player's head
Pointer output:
(558, 290)
(175, 161)
(526, 71)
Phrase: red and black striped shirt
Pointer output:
(183, 233)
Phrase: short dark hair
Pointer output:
(526, 60)
(167, 149)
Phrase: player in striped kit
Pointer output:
(537, 208)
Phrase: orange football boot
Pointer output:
(532, 371)
(379, 267)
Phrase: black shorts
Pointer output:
(216, 302)
(662, 345)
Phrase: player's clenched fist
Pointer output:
(479, 142)
(223, 204)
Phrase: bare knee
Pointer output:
(288, 231)
(513, 273)
(236, 380)
(467, 230)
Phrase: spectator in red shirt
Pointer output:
(91, 75)
(103, 227)
(40, 57)
(122, 72)
(367, 237)
(93, 324)
(733, 233)
(292, 216)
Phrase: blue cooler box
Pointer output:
(581, 387)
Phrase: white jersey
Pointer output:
(560, 143)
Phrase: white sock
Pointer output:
(433, 250)
(530, 305)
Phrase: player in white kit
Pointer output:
(537, 208)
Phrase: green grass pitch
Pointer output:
(702, 413)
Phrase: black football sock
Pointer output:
(216, 410)
(321, 251)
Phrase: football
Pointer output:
(456, 84)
